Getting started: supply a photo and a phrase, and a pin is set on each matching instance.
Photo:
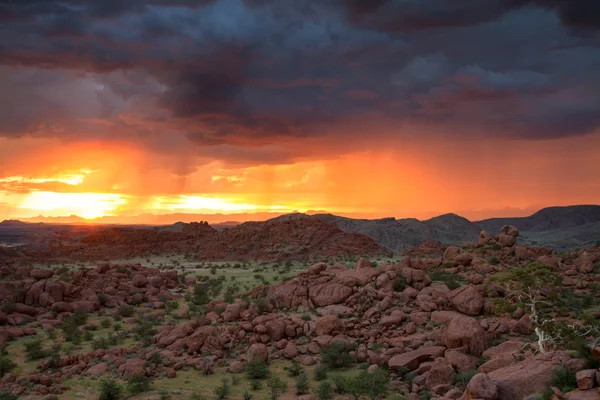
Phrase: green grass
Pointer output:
(190, 381)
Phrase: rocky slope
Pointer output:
(300, 240)
(427, 319)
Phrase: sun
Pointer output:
(85, 205)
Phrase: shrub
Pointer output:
(306, 317)
(320, 372)
(222, 392)
(197, 396)
(276, 388)
(323, 391)
(105, 323)
(126, 310)
(6, 395)
(235, 380)
(248, 395)
(373, 385)
(110, 390)
(399, 284)
(462, 379)
(302, 383)
(295, 369)
(257, 370)
(255, 384)
(6, 365)
(494, 260)
(138, 384)
(564, 379)
(337, 354)
(164, 395)
(34, 350)
(339, 383)
(453, 281)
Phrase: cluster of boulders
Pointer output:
(400, 318)
(36, 294)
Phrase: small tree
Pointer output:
(6, 365)
(324, 391)
(222, 392)
(257, 369)
(34, 350)
(276, 388)
(302, 383)
(110, 390)
(138, 384)
(337, 354)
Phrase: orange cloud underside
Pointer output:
(43, 177)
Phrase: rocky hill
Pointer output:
(302, 240)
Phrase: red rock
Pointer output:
(97, 369)
(171, 374)
(481, 387)
(329, 293)
(465, 332)
(395, 318)
(290, 351)
(413, 359)
(328, 325)
(506, 240)
(461, 361)
(440, 373)
(195, 341)
(132, 367)
(586, 379)
(236, 367)
(41, 273)
(257, 351)
(509, 230)
(467, 300)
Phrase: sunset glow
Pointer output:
(199, 107)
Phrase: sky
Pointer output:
(405, 108)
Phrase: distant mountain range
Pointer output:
(557, 227)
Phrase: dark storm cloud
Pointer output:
(251, 73)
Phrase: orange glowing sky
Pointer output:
(372, 108)
(45, 177)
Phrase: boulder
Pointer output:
(97, 369)
(412, 359)
(586, 263)
(509, 230)
(41, 273)
(532, 375)
(257, 351)
(467, 300)
(481, 387)
(290, 350)
(465, 332)
(586, 379)
(236, 367)
(440, 373)
(329, 293)
(328, 325)
(132, 367)
(506, 240)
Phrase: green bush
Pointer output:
(320, 372)
(276, 388)
(222, 392)
(255, 384)
(494, 260)
(373, 385)
(6, 395)
(295, 369)
(110, 390)
(248, 395)
(337, 354)
(138, 384)
(461, 379)
(564, 379)
(302, 383)
(34, 350)
(399, 284)
(6, 365)
(257, 370)
(453, 281)
(324, 391)
(126, 310)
